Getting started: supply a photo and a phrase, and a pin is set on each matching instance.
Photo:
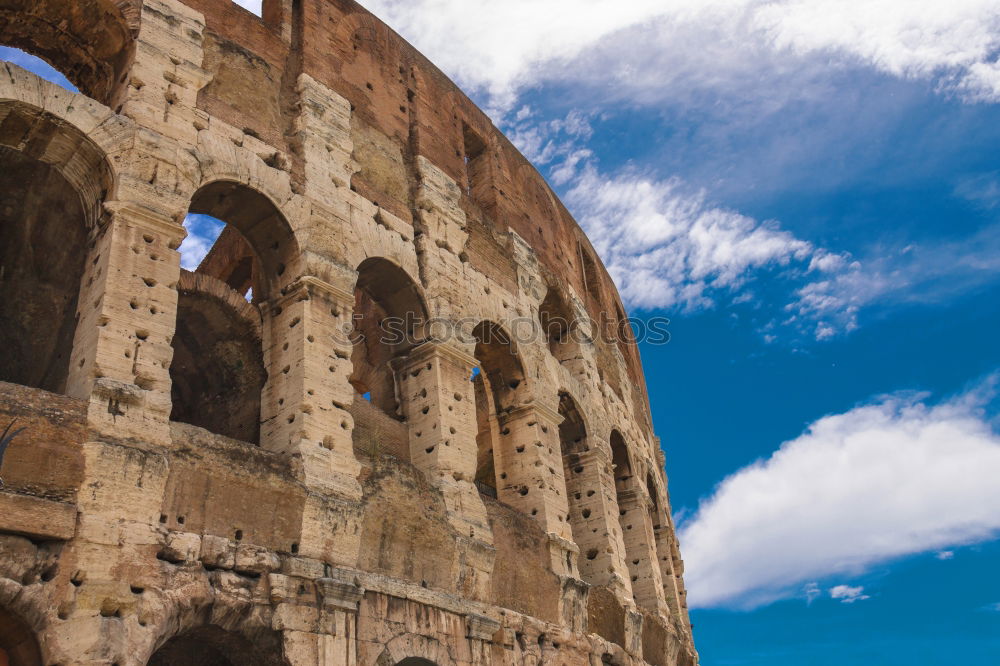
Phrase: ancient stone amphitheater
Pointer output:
(241, 465)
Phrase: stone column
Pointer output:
(167, 75)
(326, 635)
(127, 313)
(121, 364)
(671, 591)
(640, 549)
(305, 408)
(593, 509)
(438, 402)
(530, 477)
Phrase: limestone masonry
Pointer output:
(395, 417)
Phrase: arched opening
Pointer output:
(213, 646)
(625, 339)
(636, 522)
(242, 251)
(218, 367)
(52, 185)
(621, 464)
(654, 506)
(498, 388)
(91, 42)
(18, 646)
(559, 326)
(580, 475)
(416, 661)
(389, 319)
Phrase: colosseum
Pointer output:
(240, 465)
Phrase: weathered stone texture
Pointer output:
(381, 423)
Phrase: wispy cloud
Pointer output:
(846, 594)
(881, 481)
(490, 46)
(668, 247)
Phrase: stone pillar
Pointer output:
(326, 635)
(127, 313)
(167, 74)
(305, 409)
(671, 590)
(530, 477)
(593, 511)
(640, 549)
(438, 402)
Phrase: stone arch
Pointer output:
(18, 644)
(52, 188)
(621, 462)
(639, 527)
(561, 328)
(217, 373)
(389, 320)
(258, 232)
(579, 469)
(211, 645)
(500, 386)
(414, 650)
(219, 370)
(92, 42)
(625, 339)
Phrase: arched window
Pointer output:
(559, 326)
(218, 368)
(621, 463)
(637, 522)
(498, 386)
(242, 251)
(581, 477)
(91, 42)
(654, 508)
(389, 316)
(52, 184)
(18, 646)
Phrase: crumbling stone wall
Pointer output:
(231, 466)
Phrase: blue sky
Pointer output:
(810, 191)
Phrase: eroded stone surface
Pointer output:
(238, 465)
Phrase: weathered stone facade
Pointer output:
(236, 465)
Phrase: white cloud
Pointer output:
(666, 246)
(505, 47)
(945, 555)
(847, 594)
(881, 481)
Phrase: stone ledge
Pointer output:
(36, 518)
